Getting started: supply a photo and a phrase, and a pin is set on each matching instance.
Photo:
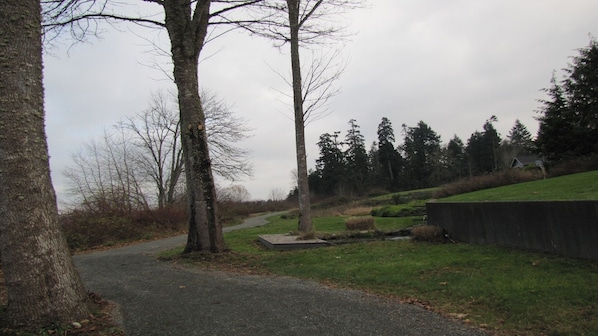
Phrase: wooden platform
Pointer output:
(289, 242)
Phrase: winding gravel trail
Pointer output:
(159, 298)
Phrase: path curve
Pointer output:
(159, 298)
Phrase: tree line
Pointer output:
(346, 167)
(568, 130)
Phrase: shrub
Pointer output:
(404, 210)
(429, 233)
(398, 199)
(573, 166)
(493, 180)
(87, 230)
(360, 223)
(294, 214)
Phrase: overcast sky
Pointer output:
(451, 64)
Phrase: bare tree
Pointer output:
(105, 175)
(156, 132)
(187, 25)
(42, 283)
(224, 131)
(304, 22)
(277, 194)
(233, 193)
(142, 156)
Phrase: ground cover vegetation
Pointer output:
(505, 291)
(581, 186)
(398, 261)
(126, 207)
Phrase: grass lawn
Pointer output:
(583, 186)
(506, 291)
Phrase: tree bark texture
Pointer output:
(305, 223)
(187, 30)
(42, 283)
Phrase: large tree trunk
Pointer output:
(187, 31)
(43, 285)
(305, 223)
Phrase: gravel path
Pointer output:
(159, 298)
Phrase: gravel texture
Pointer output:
(159, 298)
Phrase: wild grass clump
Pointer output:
(307, 235)
(360, 223)
(428, 233)
(357, 211)
(414, 208)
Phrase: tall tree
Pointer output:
(421, 144)
(187, 25)
(302, 22)
(330, 166)
(388, 157)
(482, 149)
(42, 283)
(518, 142)
(554, 135)
(521, 138)
(156, 132)
(457, 160)
(356, 158)
(569, 120)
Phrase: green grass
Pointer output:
(504, 290)
(583, 186)
(513, 291)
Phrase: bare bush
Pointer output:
(429, 233)
(87, 229)
(360, 223)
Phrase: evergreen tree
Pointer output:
(554, 131)
(375, 172)
(421, 146)
(521, 138)
(474, 151)
(518, 143)
(457, 159)
(482, 149)
(330, 166)
(569, 120)
(389, 160)
(356, 159)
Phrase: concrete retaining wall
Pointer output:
(569, 228)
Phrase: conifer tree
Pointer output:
(569, 116)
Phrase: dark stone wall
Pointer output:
(569, 228)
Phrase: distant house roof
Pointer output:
(527, 160)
